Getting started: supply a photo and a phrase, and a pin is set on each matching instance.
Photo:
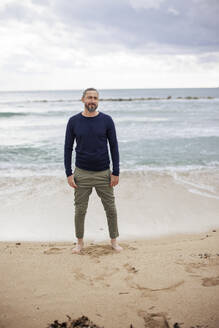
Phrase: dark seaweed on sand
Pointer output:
(85, 322)
(82, 322)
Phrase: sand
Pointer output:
(151, 283)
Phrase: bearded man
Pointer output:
(92, 130)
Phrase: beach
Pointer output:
(172, 279)
(166, 276)
(167, 201)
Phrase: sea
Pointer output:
(167, 137)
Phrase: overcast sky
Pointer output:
(73, 44)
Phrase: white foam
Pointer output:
(141, 119)
(202, 193)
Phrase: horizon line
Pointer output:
(81, 89)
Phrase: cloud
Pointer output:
(187, 26)
(173, 11)
(146, 4)
(64, 42)
(195, 29)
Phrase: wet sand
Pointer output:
(149, 204)
(152, 283)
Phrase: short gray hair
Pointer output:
(89, 89)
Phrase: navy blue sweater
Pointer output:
(91, 135)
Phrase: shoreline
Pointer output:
(42, 209)
(173, 278)
(171, 237)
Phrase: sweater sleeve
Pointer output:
(114, 149)
(69, 142)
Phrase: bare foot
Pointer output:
(116, 247)
(77, 249)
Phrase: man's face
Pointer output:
(91, 100)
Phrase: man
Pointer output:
(92, 131)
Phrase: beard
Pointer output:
(91, 107)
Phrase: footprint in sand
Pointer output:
(209, 282)
(53, 250)
(81, 276)
(95, 280)
(154, 320)
(203, 261)
(130, 268)
(98, 250)
(150, 292)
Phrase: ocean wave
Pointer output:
(180, 173)
(11, 114)
(35, 113)
(27, 101)
(30, 155)
(141, 119)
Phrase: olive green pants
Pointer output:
(100, 180)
